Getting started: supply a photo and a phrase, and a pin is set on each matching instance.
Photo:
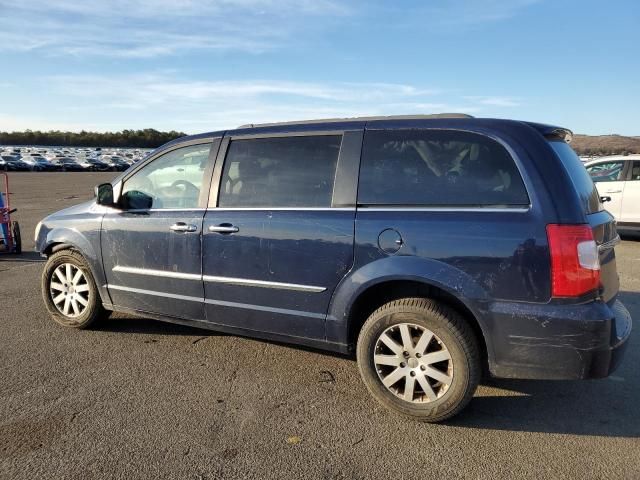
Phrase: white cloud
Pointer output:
(168, 102)
(495, 101)
(474, 12)
(146, 28)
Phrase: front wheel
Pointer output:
(69, 291)
(419, 358)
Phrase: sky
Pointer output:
(203, 65)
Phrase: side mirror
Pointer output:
(136, 200)
(104, 194)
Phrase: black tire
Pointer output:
(451, 332)
(93, 312)
(17, 239)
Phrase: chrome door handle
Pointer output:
(224, 228)
(183, 227)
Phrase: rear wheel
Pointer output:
(69, 291)
(17, 239)
(419, 358)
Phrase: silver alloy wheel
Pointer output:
(69, 290)
(413, 363)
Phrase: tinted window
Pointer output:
(280, 172)
(635, 171)
(173, 180)
(579, 176)
(435, 167)
(606, 172)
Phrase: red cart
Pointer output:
(10, 241)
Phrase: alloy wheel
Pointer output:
(69, 290)
(413, 363)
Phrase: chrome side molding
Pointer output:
(263, 283)
(215, 279)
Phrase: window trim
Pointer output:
(214, 143)
(526, 181)
(214, 195)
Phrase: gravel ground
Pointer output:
(137, 398)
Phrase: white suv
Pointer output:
(618, 177)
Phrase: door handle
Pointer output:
(183, 227)
(223, 228)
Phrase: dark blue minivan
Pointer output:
(436, 248)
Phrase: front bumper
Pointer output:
(557, 341)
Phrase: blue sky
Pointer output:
(200, 65)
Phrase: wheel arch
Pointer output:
(380, 293)
(60, 239)
(371, 286)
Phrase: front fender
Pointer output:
(397, 268)
(86, 242)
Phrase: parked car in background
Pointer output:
(10, 163)
(618, 177)
(95, 165)
(117, 164)
(68, 164)
(38, 163)
(434, 248)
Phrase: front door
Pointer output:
(610, 180)
(151, 246)
(630, 212)
(276, 246)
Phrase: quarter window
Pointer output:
(173, 180)
(439, 168)
(606, 172)
(280, 172)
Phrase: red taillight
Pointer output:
(575, 266)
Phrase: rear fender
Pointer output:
(404, 268)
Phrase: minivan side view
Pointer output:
(618, 178)
(437, 249)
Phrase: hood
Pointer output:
(85, 207)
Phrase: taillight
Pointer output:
(575, 265)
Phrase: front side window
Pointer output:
(437, 168)
(173, 180)
(606, 172)
(280, 172)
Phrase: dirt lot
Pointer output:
(142, 399)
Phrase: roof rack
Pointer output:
(359, 119)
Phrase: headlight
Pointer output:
(37, 232)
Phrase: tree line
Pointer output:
(150, 138)
(147, 138)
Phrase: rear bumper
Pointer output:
(557, 341)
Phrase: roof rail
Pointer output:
(359, 119)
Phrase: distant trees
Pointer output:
(147, 138)
(605, 145)
(150, 138)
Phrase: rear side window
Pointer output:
(635, 171)
(280, 172)
(580, 178)
(437, 168)
(606, 172)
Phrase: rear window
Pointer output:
(579, 176)
(437, 168)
